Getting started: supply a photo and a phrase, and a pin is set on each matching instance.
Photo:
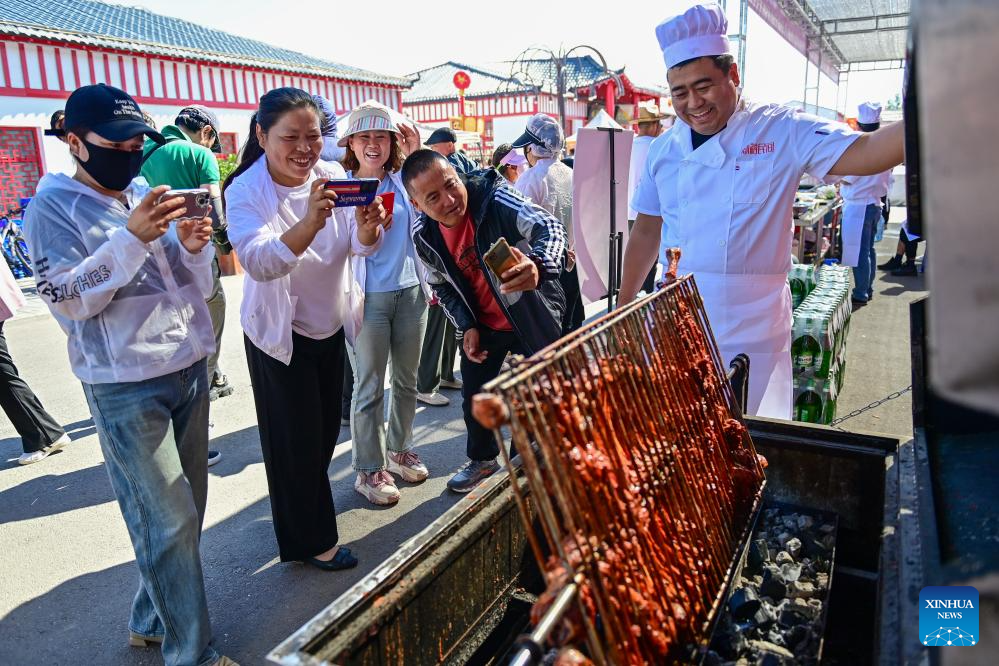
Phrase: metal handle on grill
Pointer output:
(532, 645)
(738, 377)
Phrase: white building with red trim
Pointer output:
(47, 50)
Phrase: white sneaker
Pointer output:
(451, 384)
(35, 456)
(377, 487)
(407, 465)
(434, 399)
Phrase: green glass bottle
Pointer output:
(808, 406)
(805, 349)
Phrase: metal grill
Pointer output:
(646, 482)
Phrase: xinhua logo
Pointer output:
(948, 616)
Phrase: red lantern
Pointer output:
(461, 80)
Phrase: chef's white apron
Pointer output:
(751, 314)
(851, 230)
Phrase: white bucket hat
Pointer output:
(369, 116)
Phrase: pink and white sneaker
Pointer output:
(407, 465)
(378, 487)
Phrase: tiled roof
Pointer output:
(436, 83)
(541, 72)
(90, 23)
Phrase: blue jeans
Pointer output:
(154, 436)
(867, 261)
(394, 323)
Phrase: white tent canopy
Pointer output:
(602, 119)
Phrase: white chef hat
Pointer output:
(869, 113)
(700, 31)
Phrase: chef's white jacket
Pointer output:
(858, 193)
(728, 206)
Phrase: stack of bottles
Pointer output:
(802, 282)
(818, 344)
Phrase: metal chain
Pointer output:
(876, 403)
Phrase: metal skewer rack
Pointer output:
(644, 481)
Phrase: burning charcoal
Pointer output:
(791, 616)
(744, 603)
(793, 547)
(783, 557)
(728, 640)
(802, 606)
(802, 590)
(805, 522)
(774, 585)
(798, 637)
(758, 554)
(765, 616)
(791, 572)
(766, 647)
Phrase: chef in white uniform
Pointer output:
(722, 181)
(861, 212)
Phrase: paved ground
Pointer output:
(66, 567)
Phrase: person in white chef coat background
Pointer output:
(722, 181)
(862, 209)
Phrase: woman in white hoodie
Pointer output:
(127, 280)
(395, 313)
(300, 298)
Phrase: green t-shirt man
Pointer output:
(179, 163)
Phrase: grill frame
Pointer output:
(654, 309)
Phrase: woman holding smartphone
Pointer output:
(126, 275)
(395, 313)
(295, 247)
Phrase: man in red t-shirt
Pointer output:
(519, 312)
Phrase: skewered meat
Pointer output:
(642, 477)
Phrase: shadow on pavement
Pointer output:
(254, 600)
(53, 494)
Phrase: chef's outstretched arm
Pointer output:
(640, 255)
(872, 153)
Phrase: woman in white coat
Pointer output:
(395, 313)
(299, 300)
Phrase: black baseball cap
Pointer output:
(442, 135)
(196, 117)
(110, 112)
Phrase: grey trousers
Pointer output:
(439, 348)
(393, 330)
(216, 308)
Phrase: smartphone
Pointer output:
(353, 191)
(499, 258)
(198, 202)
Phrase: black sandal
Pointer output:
(343, 559)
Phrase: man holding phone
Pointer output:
(500, 298)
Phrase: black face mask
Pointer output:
(112, 169)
